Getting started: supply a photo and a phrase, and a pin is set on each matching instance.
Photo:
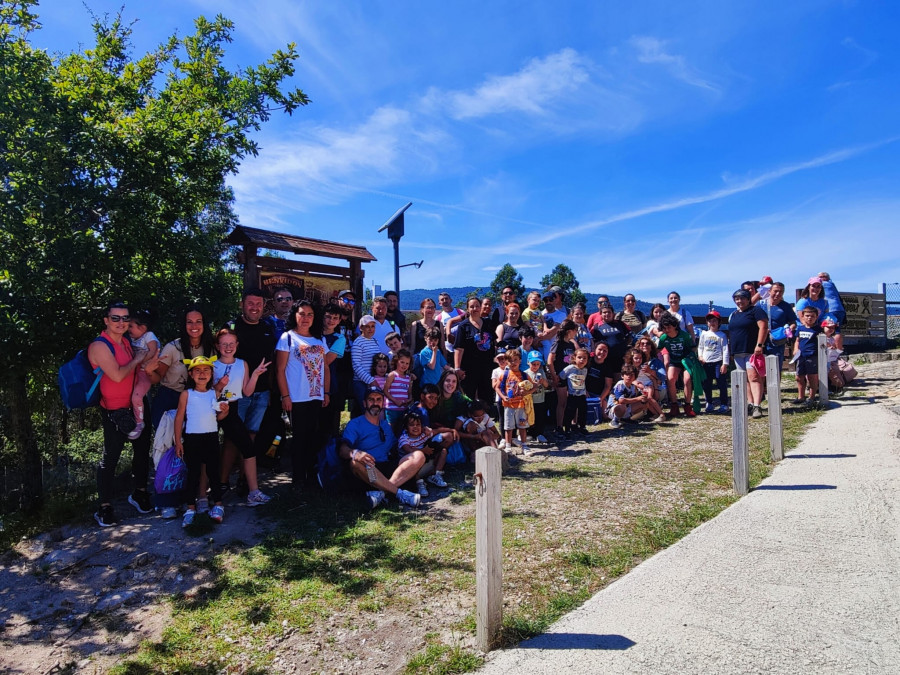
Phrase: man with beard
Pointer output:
(366, 447)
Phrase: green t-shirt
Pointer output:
(678, 347)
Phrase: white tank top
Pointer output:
(235, 371)
(200, 415)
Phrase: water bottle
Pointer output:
(273, 449)
(286, 418)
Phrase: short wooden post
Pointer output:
(823, 370)
(773, 393)
(488, 548)
(739, 437)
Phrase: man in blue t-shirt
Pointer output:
(366, 445)
(782, 322)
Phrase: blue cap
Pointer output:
(535, 355)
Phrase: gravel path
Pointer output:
(800, 576)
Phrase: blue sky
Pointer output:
(648, 145)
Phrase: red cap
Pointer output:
(715, 314)
(766, 280)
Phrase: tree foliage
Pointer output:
(564, 277)
(113, 183)
(507, 276)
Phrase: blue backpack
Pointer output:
(79, 383)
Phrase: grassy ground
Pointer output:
(337, 590)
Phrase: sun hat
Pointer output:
(366, 320)
(199, 361)
(814, 280)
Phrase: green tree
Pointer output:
(112, 178)
(564, 277)
(507, 276)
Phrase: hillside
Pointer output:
(412, 299)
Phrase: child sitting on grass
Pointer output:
(626, 400)
(417, 436)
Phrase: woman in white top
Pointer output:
(303, 380)
(685, 320)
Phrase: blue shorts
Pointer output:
(808, 365)
(252, 408)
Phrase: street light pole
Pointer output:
(395, 228)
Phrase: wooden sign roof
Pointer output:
(277, 241)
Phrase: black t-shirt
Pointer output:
(615, 335)
(256, 341)
(510, 336)
(561, 355)
(595, 381)
(399, 320)
(743, 330)
(477, 345)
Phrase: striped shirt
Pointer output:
(362, 352)
(399, 391)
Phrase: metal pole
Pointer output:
(397, 269)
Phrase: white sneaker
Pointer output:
(376, 497)
(437, 479)
(541, 438)
(188, 518)
(420, 486)
(257, 498)
(615, 423)
(408, 498)
(525, 450)
(502, 444)
(138, 430)
(660, 419)
(202, 505)
(518, 443)
(168, 512)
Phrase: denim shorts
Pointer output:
(252, 408)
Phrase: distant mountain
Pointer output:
(411, 300)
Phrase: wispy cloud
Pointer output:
(496, 268)
(652, 50)
(538, 85)
(741, 186)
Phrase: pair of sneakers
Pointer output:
(436, 479)
(216, 514)
(139, 499)
(405, 497)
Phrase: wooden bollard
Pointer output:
(739, 437)
(773, 393)
(488, 548)
(822, 354)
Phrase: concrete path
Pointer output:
(800, 576)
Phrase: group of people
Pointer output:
(421, 396)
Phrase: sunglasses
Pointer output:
(118, 318)
(349, 301)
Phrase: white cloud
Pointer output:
(496, 268)
(537, 86)
(651, 50)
